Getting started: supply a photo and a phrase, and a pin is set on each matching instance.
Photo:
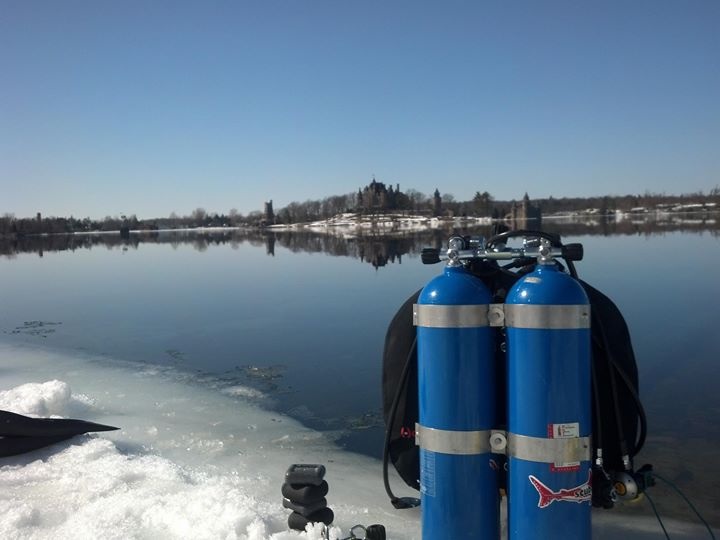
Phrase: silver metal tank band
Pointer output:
(555, 317)
(452, 442)
(544, 450)
(450, 316)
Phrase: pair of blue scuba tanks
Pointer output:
(508, 375)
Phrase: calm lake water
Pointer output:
(302, 318)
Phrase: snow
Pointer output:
(351, 223)
(189, 462)
(194, 459)
(33, 399)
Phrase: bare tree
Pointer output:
(198, 216)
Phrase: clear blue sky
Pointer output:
(150, 107)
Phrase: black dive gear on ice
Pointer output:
(20, 434)
(619, 424)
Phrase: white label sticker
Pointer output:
(569, 430)
(565, 467)
(564, 431)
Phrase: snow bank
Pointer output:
(87, 488)
(90, 490)
(52, 398)
(191, 460)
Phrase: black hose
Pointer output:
(613, 389)
(571, 268)
(618, 420)
(553, 238)
(598, 415)
(614, 369)
(638, 405)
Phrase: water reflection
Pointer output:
(376, 247)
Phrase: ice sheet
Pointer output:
(194, 459)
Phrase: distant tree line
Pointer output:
(625, 203)
(483, 204)
(314, 210)
(10, 225)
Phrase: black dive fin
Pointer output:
(17, 425)
(12, 446)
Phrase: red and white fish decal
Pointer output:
(579, 494)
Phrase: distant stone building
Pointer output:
(376, 196)
(524, 212)
(269, 214)
(437, 203)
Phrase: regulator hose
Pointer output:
(615, 369)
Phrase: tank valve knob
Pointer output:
(573, 252)
(430, 256)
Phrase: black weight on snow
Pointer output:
(305, 509)
(297, 521)
(375, 532)
(305, 473)
(304, 493)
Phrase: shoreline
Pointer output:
(417, 223)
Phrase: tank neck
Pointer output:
(455, 268)
(548, 266)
